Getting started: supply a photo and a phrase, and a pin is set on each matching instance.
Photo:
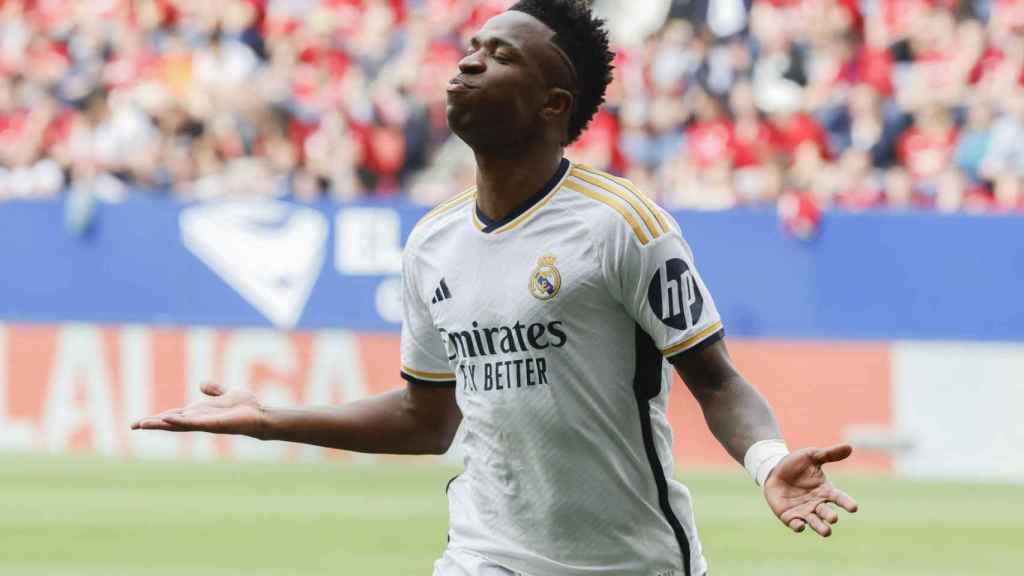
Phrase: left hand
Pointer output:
(222, 412)
(799, 493)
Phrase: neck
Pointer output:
(505, 182)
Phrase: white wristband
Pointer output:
(762, 457)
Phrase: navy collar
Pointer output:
(549, 187)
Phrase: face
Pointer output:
(506, 94)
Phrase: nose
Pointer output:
(472, 63)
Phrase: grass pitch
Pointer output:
(93, 517)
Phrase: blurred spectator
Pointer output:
(1003, 163)
(974, 142)
(926, 149)
(853, 104)
(863, 125)
(753, 153)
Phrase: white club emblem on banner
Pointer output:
(271, 253)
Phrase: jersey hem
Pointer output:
(437, 379)
(720, 335)
(697, 339)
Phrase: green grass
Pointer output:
(93, 517)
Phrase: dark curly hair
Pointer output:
(585, 40)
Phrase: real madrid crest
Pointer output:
(545, 281)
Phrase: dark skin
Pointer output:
(512, 102)
(797, 490)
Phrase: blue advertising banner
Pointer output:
(870, 276)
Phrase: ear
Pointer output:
(559, 101)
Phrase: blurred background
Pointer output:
(220, 190)
(858, 104)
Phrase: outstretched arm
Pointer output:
(414, 420)
(734, 410)
(738, 415)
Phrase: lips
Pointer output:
(459, 85)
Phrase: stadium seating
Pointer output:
(838, 101)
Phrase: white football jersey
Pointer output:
(554, 325)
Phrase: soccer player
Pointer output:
(540, 308)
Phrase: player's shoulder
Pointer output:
(613, 206)
(441, 218)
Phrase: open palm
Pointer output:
(799, 493)
(234, 412)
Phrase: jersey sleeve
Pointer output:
(424, 358)
(656, 280)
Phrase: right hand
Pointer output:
(234, 412)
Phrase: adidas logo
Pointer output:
(441, 293)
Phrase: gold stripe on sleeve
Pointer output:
(625, 183)
(431, 376)
(631, 195)
(646, 200)
(693, 340)
(615, 205)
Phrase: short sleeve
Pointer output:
(658, 283)
(424, 359)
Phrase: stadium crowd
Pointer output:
(853, 103)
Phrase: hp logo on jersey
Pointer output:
(674, 296)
